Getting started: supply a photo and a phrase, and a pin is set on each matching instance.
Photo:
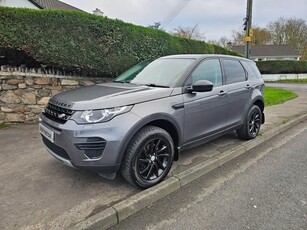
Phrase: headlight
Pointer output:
(98, 116)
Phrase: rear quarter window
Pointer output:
(234, 71)
(252, 69)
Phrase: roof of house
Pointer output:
(268, 50)
(53, 5)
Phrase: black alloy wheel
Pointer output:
(153, 159)
(252, 124)
(149, 157)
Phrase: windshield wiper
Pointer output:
(122, 81)
(154, 85)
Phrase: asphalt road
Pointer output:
(264, 189)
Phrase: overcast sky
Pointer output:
(216, 18)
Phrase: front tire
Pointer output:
(149, 157)
(252, 124)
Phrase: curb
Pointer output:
(122, 210)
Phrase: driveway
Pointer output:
(38, 192)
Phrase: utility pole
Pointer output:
(248, 27)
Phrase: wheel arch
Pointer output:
(163, 121)
(260, 103)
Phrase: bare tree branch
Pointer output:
(188, 32)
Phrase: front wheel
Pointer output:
(252, 124)
(149, 157)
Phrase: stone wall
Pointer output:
(24, 93)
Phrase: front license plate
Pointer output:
(46, 132)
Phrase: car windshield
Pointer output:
(160, 73)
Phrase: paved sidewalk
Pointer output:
(38, 192)
(277, 114)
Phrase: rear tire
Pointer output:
(148, 158)
(252, 124)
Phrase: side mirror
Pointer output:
(201, 86)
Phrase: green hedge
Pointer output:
(88, 44)
(283, 66)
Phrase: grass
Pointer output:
(285, 121)
(304, 81)
(274, 96)
(3, 126)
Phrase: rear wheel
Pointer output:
(149, 157)
(252, 124)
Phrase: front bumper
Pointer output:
(92, 146)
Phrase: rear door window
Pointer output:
(234, 71)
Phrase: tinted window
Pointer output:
(209, 70)
(234, 71)
(252, 69)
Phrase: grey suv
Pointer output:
(139, 123)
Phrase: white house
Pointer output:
(269, 52)
(38, 4)
(18, 3)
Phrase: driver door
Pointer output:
(205, 112)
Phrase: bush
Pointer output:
(88, 44)
(283, 66)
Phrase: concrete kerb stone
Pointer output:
(253, 143)
(197, 171)
(102, 220)
(145, 198)
(230, 154)
(271, 133)
(133, 204)
(292, 123)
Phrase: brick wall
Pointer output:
(23, 93)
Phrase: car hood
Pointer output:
(108, 95)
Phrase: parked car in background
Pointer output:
(139, 123)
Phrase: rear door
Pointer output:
(205, 112)
(239, 90)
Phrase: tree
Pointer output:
(223, 41)
(238, 37)
(291, 32)
(277, 31)
(261, 36)
(282, 31)
(188, 32)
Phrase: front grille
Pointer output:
(56, 149)
(57, 114)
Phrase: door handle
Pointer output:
(222, 93)
(249, 87)
(178, 106)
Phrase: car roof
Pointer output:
(202, 56)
